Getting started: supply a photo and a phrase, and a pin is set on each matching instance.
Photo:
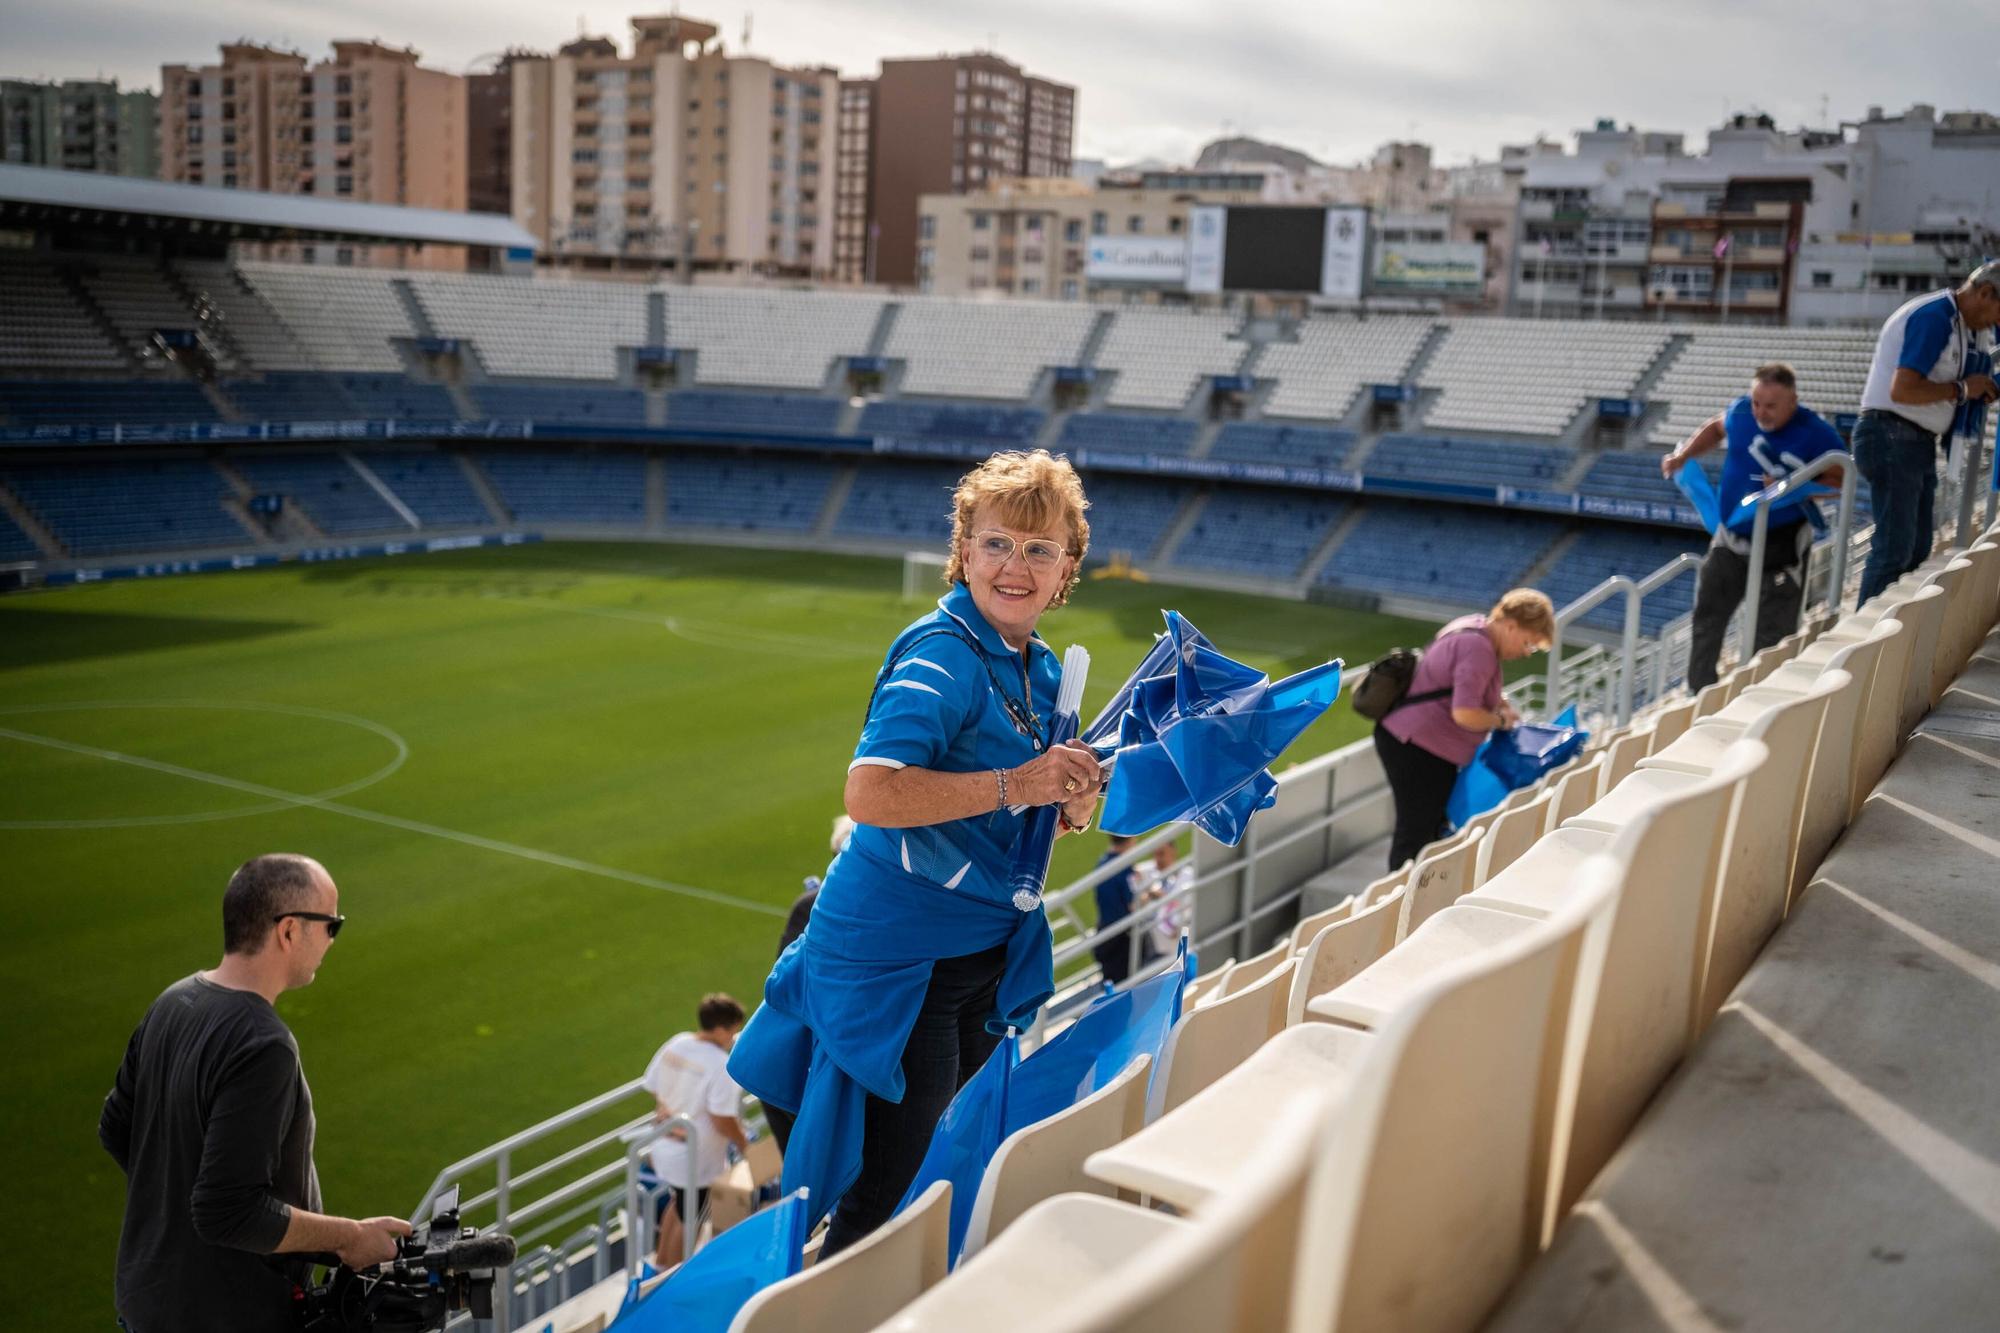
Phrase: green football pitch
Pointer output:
(564, 789)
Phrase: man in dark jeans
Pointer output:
(1916, 384)
(211, 1121)
(1768, 436)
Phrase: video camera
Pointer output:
(438, 1271)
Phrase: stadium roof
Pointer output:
(41, 194)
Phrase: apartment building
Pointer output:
(677, 153)
(80, 125)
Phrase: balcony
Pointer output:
(1556, 293)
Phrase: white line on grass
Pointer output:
(732, 638)
(397, 822)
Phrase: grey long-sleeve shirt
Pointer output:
(211, 1120)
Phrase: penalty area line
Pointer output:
(398, 822)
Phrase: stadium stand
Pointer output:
(545, 486)
(1267, 442)
(396, 398)
(764, 338)
(337, 498)
(104, 402)
(293, 395)
(1268, 533)
(253, 330)
(1331, 359)
(1161, 355)
(1532, 377)
(433, 485)
(135, 297)
(1636, 476)
(1130, 514)
(984, 349)
(996, 427)
(1478, 462)
(1114, 432)
(1713, 370)
(344, 318)
(782, 413)
(911, 504)
(578, 402)
(706, 491)
(119, 506)
(1604, 549)
(1453, 556)
(536, 327)
(15, 545)
(46, 326)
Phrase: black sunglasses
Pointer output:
(333, 923)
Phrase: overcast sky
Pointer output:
(1158, 78)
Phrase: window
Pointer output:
(305, 134)
(343, 134)
(1030, 286)
(927, 227)
(194, 134)
(1069, 289)
(343, 185)
(1135, 224)
(1073, 230)
(1822, 280)
(194, 87)
(982, 221)
(229, 134)
(926, 256)
(229, 180)
(1097, 224)
(1175, 225)
(343, 84)
(980, 254)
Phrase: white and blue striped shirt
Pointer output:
(1927, 335)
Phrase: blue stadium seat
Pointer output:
(128, 506)
(579, 403)
(1442, 553)
(1622, 475)
(396, 398)
(1605, 549)
(433, 485)
(1468, 462)
(546, 486)
(996, 427)
(1268, 533)
(1130, 514)
(1113, 432)
(338, 499)
(909, 503)
(155, 402)
(1296, 446)
(706, 491)
(780, 413)
(293, 395)
(15, 545)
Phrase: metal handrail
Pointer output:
(1635, 592)
(1759, 537)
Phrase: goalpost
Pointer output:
(923, 575)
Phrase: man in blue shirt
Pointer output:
(1768, 436)
(1916, 384)
(1116, 896)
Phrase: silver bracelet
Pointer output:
(1000, 776)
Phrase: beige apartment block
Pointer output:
(677, 154)
(370, 125)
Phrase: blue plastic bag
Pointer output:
(967, 1136)
(1510, 759)
(705, 1294)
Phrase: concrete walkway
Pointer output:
(1828, 1159)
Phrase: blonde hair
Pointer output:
(1531, 610)
(1032, 491)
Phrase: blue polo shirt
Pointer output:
(944, 704)
(1755, 453)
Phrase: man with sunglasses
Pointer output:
(211, 1121)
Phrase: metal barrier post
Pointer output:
(1630, 652)
(1843, 534)
(1746, 625)
(1970, 447)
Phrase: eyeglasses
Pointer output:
(333, 923)
(999, 548)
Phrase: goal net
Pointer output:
(923, 575)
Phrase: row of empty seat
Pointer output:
(1383, 1120)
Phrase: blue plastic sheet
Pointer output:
(1088, 1054)
(1510, 759)
(704, 1294)
(967, 1136)
(1700, 492)
(1192, 732)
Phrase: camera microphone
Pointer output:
(478, 1252)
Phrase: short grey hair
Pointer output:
(1987, 275)
(261, 888)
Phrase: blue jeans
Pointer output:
(1899, 461)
